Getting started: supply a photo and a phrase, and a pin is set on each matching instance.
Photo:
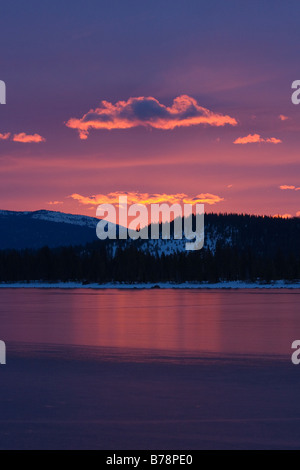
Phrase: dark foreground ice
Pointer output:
(66, 399)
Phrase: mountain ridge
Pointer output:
(36, 229)
(49, 246)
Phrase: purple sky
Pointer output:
(61, 60)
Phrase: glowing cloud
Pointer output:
(148, 112)
(28, 139)
(291, 188)
(5, 136)
(282, 117)
(298, 214)
(54, 203)
(256, 139)
(146, 198)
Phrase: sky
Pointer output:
(173, 100)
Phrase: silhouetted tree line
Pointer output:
(248, 248)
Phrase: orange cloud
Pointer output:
(256, 139)
(286, 187)
(28, 139)
(148, 112)
(4, 136)
(147, 199)
(54, 203)
(298, 214)
(282, 117)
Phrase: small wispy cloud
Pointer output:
(134, 197)
(54, 203)
(286, 187)
(28, 139)
(256, 139)
(282, 117)
(5, 136)
(148, 112)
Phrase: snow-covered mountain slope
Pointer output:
(169, 247)
(20, 230)
(60, 217)
(52, 216)
(36, 229)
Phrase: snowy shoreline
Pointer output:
(160, 285)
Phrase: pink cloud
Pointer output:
(28, 139)
(282, 117)
(5, 136)
(148, 112)
(256, 139)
